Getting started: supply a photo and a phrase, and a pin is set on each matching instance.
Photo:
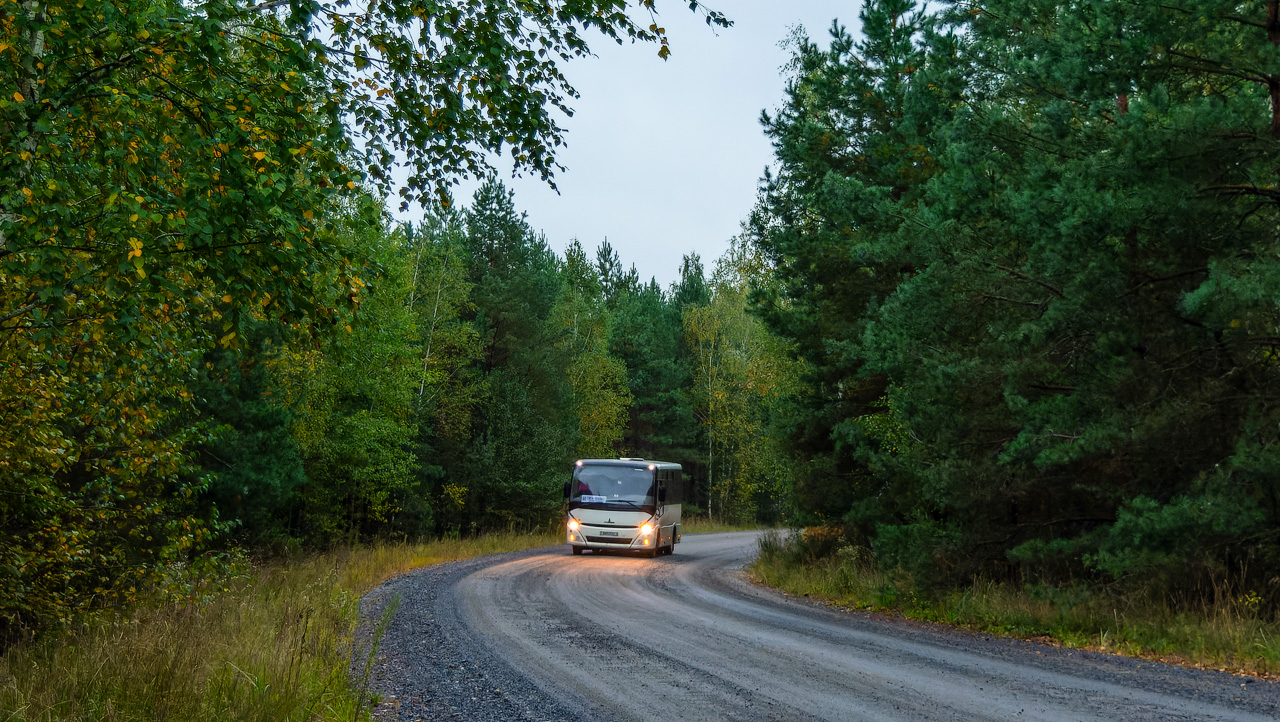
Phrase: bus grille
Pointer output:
(607, 540)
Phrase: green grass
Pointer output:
(275, 645)
(1227, 635)
(705, 525)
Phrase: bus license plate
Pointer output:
(608, 533)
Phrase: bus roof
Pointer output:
(629, 462)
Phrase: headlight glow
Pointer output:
(646, 529)
(573, 525)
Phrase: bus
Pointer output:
(625, 504)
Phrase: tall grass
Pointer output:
(1228, 634)
(698, 524)
(275, 645)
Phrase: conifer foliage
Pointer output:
(1028, 251)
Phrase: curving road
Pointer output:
(549, 636)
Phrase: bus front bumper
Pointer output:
(592, 539)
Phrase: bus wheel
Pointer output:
(577, 550)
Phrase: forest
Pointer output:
(1027, 252)
(1006, 305)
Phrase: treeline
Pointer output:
(1028, 253)
(211, 336)
(1006, 306)
(478, 366)
(450, 400)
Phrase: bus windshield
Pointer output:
(622, 485)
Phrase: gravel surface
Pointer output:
(543, 635)
(430, 666)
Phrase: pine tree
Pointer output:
(853, 149)
(523, 426)
(1029, 261)
(609, 270)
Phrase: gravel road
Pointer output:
(545, 635)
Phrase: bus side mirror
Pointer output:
(662, 495)
(566, 490)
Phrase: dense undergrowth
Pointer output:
(273, 642)
(1226, 632)
(707, 525)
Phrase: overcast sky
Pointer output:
(663, 158)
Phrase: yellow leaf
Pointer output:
(308, 214)
(351, 184)
(348, 329)
(226, 299)
(133, 218)
(259, 155)
(17, 97)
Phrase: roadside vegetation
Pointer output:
(1223, 632)
(1004, 319)
(270, 643)
(707, 525)
(216, 342)
(1026, 254)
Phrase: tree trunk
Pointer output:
(1273, 81)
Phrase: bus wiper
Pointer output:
(625, 501)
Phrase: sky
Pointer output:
(664, 158)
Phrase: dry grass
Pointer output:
(706, 525)
(1227, 635)
(276, 645)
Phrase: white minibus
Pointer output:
(624, 505)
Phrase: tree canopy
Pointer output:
(187, 203)
(1027, 249)
(1005, 307)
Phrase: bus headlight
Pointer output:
(573, 525)
(646, 529)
